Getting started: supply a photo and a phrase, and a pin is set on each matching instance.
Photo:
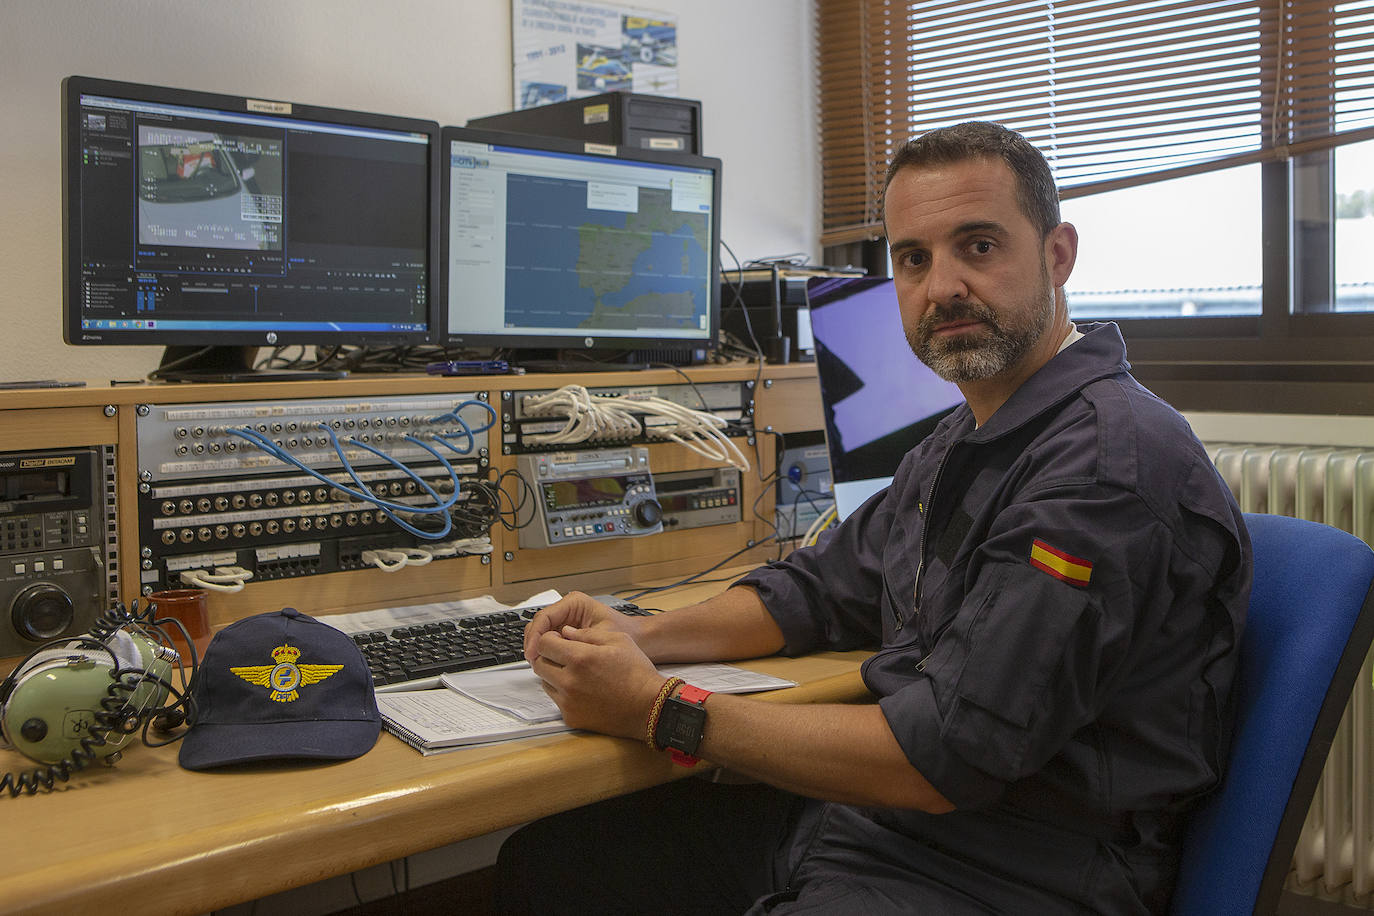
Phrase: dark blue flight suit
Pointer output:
(1058, 596)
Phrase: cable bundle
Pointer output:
(590, 416)
(439, 507)
(223, 579)
(822, 522)
(392, 559)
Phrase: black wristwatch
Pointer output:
(681, 723)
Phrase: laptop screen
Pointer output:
(879, 399)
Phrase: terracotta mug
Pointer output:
(191, 607)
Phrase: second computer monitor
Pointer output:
(553, 244)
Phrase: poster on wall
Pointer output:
(566, 50)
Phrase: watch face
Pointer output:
(684, 722)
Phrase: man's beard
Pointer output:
(977, 355)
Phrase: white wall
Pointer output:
(448, 60)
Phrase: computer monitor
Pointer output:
(553, 245)
(214, 224)
(879, 399)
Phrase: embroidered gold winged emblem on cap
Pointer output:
(285, 676)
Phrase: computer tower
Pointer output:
(768, 307)
(613, 118)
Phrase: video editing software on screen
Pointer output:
(198, 220)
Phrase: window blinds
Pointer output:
(1114, 93)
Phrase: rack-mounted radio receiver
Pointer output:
(699, 499)
(590, 496)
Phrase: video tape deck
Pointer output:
(590, 496)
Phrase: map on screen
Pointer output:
(635, 262)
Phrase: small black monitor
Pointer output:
(555, 248)
(213, 225)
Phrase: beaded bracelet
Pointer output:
(652, 725)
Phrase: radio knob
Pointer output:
(42, 611)
(648, 513)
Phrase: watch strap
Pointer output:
(692, 694)
(688, 695)
(682, 758)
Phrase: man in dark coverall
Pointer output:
(1054, 584)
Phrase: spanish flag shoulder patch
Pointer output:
(1063, 566)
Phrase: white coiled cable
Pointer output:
(223, 579)
(590, 416)
(393, 559)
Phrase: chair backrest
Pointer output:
(1310, 623)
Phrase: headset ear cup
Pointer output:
(45, 683)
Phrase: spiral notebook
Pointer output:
(437, 720)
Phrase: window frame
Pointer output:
(1291, 356)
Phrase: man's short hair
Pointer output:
(1035, 188)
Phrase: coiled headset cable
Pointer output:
(117, 714)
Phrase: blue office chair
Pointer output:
(1310, 624)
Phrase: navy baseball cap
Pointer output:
(280, 686)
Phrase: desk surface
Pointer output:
(183, 842)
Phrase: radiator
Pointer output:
(1335, 485)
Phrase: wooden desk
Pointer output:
(181, 842)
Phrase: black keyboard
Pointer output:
(414, 657)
